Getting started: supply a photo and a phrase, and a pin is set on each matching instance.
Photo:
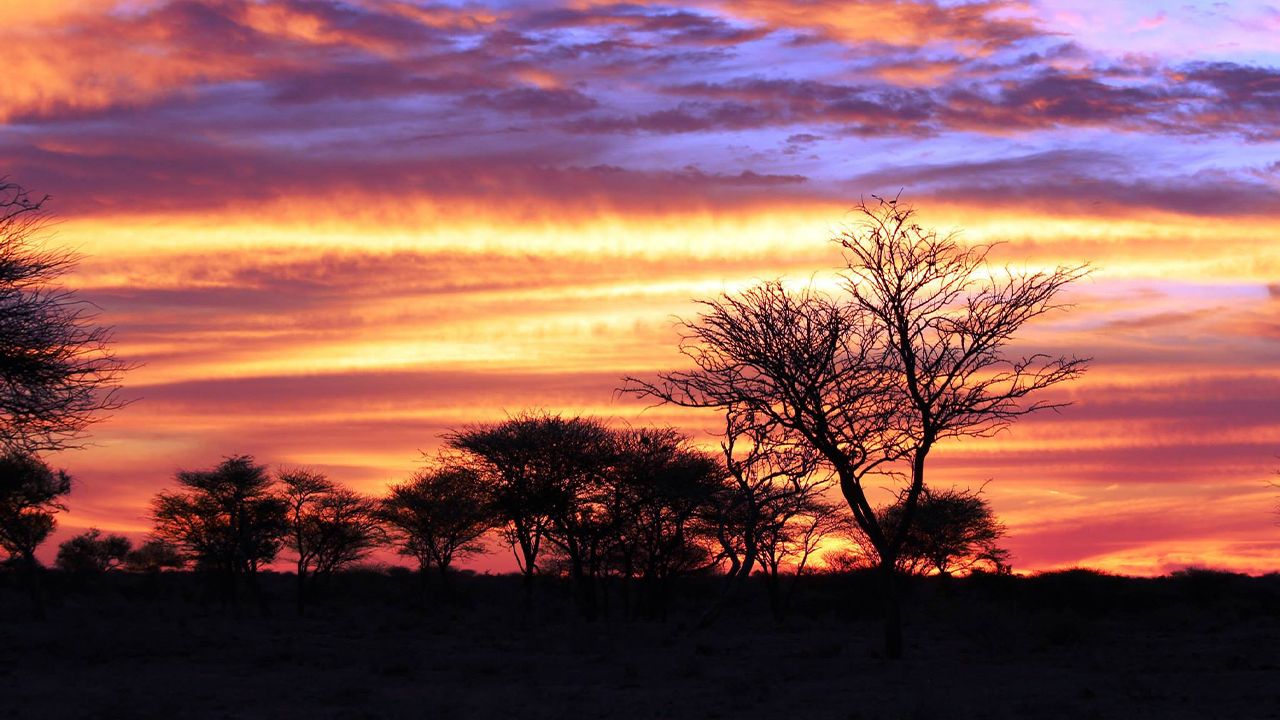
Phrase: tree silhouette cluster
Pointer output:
(621, 512)
(628, 509)
(820, 393)
(912, 351)
(607, 504)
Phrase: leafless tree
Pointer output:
(92, 553)
(943, 319)
(439, 516)
(913, 354)
(58, 369)
(764, 480)
(328, 527)
(228, 521)
(801, 369)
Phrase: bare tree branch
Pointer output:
(870, 381)
(58, 373)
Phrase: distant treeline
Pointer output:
(994, 612)
(621, 513)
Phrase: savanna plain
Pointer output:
(1196, 644)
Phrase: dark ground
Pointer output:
(1067, 645)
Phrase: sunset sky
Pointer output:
(329, 231)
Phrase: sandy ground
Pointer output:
(1177, 653)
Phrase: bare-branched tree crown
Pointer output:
(913, 352)
(58, 369)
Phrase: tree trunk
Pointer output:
(891, 596)
(891, 592)
(527, 581)
(733, 583)
(584, 588)
(35, 585)
(424, 585)
(302, 589)
(260, 598)
(526, 551)
(446, 582)
(774, 585)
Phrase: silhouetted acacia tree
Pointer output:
(439, 516)
(953, 531)
(153, 556)
(652, 496)
(942, 319)
(846, 560)
(92, 553)
(227, 520)
(328, 527)
(914, 353)
(57, 366)
(792, 369)
(30, 494)
(536, 466)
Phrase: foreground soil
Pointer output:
(1073, 645)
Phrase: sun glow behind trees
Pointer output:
(325, 254)
(325, 320)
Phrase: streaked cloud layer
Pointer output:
(331, 230)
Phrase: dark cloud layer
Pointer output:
(1082, 180)
(192, 174)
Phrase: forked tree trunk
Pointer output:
(527, 581)
(734, 581)
(526, 558)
